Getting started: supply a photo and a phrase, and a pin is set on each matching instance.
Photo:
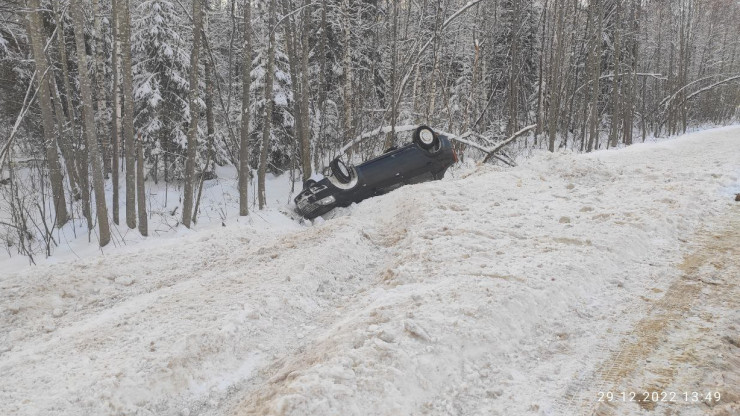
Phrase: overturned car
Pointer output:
(426, 158)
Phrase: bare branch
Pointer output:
(507, 141)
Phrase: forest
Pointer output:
(100, 99)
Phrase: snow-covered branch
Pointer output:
(709, 87)
(510, 139)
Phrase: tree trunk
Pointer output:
(320, 140)
(124, 32)
(187, 208)
(390, 139)
(540, 92)
(658, 68)
(291, 39)
(267, 115)
(246, 83)
(555, 78)
(687, 55)
(140, 191)
(616, 80)
(116, 122)
(632, 102)
(512, 89)
(88, 114)
(74, 163)
(210, 119)
(347, 129)
(304, 102)
(43, 74)
(435, 70)
(100, 84)
(63, 139)
(597, 10)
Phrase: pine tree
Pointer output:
(43, 74)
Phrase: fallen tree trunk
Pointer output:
(462, 138)
(507, 141)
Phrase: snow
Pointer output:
(492, 292)
(316, 177)
(219, 204)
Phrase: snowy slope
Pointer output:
(498, 293)
(219, 203)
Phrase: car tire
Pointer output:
(340, 171)
(426, 138)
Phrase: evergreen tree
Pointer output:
(161, 85)
(281, 145)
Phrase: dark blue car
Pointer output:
(426, 158)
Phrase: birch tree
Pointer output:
(140, 189)
(88, 114)
(100, 86)
(124, 43)
(244, 138)
(267, 114)
(116, 114)
(43, 73)
(187, 207)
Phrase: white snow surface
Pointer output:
(497, 293)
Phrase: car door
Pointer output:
(394, 168)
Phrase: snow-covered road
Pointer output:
(504, 292)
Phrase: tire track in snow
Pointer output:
(179, 353)
(651, 340)
(385, 233)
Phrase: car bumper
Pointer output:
(310, 205)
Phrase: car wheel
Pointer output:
(425, 138)
(340, 171)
